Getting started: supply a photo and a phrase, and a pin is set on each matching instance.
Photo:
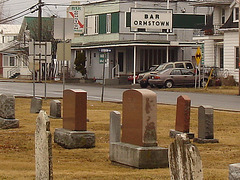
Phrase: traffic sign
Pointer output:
(104, 50)
(198, 55)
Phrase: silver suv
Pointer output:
(143, 77)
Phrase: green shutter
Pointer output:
(115, 22)
(128, 19)
(190, 21)
(102, 23)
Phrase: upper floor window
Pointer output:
(235, 14)
(223, 16)
(237, 58)
(91, 25)
(109, 23)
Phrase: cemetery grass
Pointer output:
(17, 146)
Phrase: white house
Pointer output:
(221, 36)
(11, 63)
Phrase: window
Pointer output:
(96, 24)
(221, 57)
(223, 16)
(179, 65)
(12, 61)
(186, 72)
(109, 23)
(235, 14)
(86, 25)
(169, 66)
(91, 25)
(237, 58)
(189, 66)
(176, 72)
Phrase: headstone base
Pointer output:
(138, 157)
(234, 171)
(204, 141)
(74, 139)
(9, 123)
(173, 134)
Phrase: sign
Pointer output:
(63, 28)
(104, 50)
(64, 51)
(198, 55)
(151, 20)
(77, 13)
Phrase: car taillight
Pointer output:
(156, 77)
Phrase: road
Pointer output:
(217, 101)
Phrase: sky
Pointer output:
(12, 7)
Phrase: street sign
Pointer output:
(104, 50)
(77, 13)
(198, 55)
(64, 51)
(63, 28)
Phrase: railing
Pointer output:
(13, 71)
(115, 68)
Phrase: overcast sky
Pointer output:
(12, 7)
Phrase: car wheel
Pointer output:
(143, 84)
(168, 84)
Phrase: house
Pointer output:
(134, 35)
(11, 63)
(221, 36)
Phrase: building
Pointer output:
(221, 36)
(11, 63)
(136, 35)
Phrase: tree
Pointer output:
(80, 62)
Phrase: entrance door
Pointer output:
(121, 61)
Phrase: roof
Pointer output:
(9, 29)
(211, 3)
(229, 23)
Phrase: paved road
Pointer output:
(226, 102)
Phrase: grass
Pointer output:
(17, 146)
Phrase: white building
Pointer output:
(221, 36)
(11, 63)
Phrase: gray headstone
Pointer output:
(184, 159)
(43, 147)
(36, 105)
(115, 126)
(55, 109)
(234, 171)
(205, 122)
(7, 106)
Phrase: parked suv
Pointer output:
(144, 77)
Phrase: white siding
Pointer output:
(209, 53)
(231, 41)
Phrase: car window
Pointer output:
(179, 65)
(169, 66)
(160, 67)
(186, 72)
(189, 66)
(162, 71)
(176, 72)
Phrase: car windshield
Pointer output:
(160, 67)
(163, 71)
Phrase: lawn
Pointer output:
(17, 146)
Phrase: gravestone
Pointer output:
(74, 133)
(182, 117)
(205, 125)
(234, 171)
(184, 159)
(7, 112)
(115, 126)
(138, 147)
(36, 105)
(55, 109)
(43, 147)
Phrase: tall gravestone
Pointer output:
(74, 133)
(182, 117)
(7, 112)
(205, 125)
(234, 171)
(184, 159)
(55, 109)
(43, 147)
(138, 147)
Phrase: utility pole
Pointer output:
(40, 33)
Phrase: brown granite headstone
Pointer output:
(183, 114)
(139, 121)
(75, 110)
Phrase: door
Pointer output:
(121, 61)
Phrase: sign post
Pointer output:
(198, 57)
(105, 51)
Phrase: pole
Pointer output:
(34, 69)
(167, 60)
(40, 32)
(63, 54)
(45, 87)
(103, 77)
(239, 52)
(134, 64)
